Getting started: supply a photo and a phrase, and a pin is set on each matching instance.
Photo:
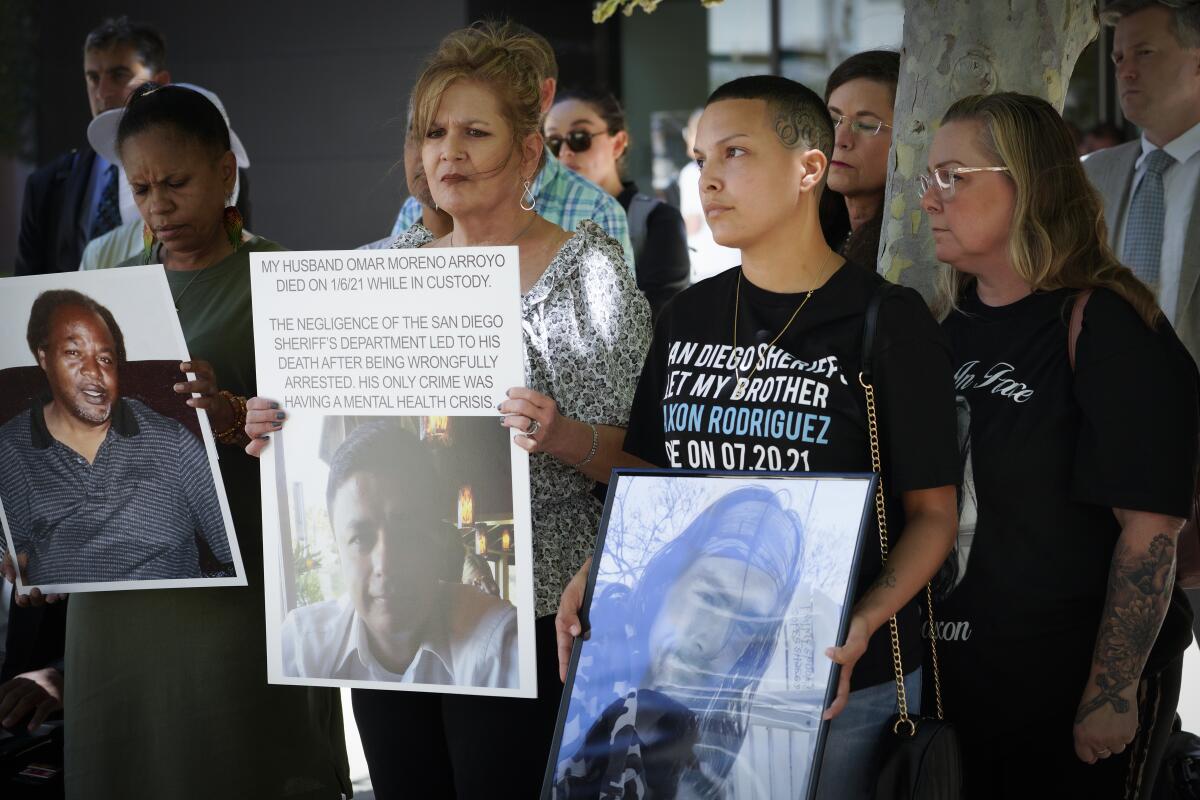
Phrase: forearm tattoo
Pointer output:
(1139, 589)
(886, 579)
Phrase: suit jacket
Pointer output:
(52, 237)
(1111, 172)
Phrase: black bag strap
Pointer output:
(640, 209)
(870, 327)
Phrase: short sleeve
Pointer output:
(644, 437)
(1136, 388)
(14, 495)
(410, 213)
(915, 386)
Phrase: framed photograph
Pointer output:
(108, 479)
(710, 604)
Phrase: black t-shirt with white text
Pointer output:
(1049, 452)
(803, 409)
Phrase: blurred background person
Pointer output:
(586, 131)
(860, 94)
(1151, 186)
(708, 258)
(79, 195)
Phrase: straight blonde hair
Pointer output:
(1058, 237)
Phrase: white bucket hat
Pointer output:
(102, 131)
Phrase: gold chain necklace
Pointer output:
(739, 388)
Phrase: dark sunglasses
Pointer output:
(578, 140)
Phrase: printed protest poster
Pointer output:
(108, 479)
(396, 521)
(709, 608)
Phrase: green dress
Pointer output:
(166, 690)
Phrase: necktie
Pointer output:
(108, 211)
(1144, 227)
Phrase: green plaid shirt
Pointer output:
(563, 197)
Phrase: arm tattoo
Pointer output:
(886, 579)
(1139, 588)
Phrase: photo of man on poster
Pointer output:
(406, 616)
(95, 486)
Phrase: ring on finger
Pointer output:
(534, 427)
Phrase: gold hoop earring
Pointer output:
(532, 201)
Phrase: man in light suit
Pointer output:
(1151, 185)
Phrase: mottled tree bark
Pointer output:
(954, 48)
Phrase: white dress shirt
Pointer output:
(473, 643)
(1180, 182)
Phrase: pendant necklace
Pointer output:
(742, 384)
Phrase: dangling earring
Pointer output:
(233, 225)
(532, 201)
(148, 242)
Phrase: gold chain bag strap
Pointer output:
(920, 756)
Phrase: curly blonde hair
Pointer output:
(505, 57)
(1058, 237)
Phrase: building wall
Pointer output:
(315, 90)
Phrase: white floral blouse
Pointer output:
(587, 330)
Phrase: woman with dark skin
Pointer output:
(182, 668)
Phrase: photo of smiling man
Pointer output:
(97, 486)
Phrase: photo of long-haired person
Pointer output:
(663, 702)
(97, 486)
(406, 616)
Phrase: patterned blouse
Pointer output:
(587, 330)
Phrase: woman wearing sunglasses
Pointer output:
(586, 131)
(1078, 420)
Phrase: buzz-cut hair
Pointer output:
(1185, 16)
(37, 334)
(798, 114)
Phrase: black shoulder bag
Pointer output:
(920, 757)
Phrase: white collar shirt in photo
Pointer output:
(1180, 182)
(473, 643)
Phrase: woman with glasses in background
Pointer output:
(591, 125)
(860, 94)
(1078, 405)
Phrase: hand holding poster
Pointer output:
(108, 479)
(710, 604)
(395, 507)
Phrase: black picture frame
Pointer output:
(865, 516)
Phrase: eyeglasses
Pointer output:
(578, 140)
(943, 179)
(858, 126)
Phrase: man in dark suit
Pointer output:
(77, 196)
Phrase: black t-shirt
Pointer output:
(1051, 452)
(804, 410)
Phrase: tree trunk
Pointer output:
(954, 48)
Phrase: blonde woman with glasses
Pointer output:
(1078, 420)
